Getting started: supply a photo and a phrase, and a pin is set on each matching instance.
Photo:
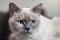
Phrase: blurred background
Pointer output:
(52, 7)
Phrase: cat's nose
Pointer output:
(27, 28)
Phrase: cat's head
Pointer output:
(24, 20)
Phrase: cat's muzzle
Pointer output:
(26, 32)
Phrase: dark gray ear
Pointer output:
(37, 9)
(13, 8)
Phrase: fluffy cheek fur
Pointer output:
(15, 26)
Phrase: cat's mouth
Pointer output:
(26, 33)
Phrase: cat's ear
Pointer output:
(13, 8)
(37, 9)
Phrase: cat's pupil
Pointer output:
(22, 21)
(33, 21)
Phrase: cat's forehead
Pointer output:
(26, 13)
(26, 16)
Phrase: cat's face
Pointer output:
(24, 21)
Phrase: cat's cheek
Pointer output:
(19, 25)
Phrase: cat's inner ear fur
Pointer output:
(37, 9)
(13, 8)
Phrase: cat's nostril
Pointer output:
(27, 28)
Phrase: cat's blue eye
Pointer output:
(20, 21)
(33, 21)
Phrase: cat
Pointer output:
(24, 22)
(29, 24)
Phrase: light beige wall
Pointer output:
(52, 7)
